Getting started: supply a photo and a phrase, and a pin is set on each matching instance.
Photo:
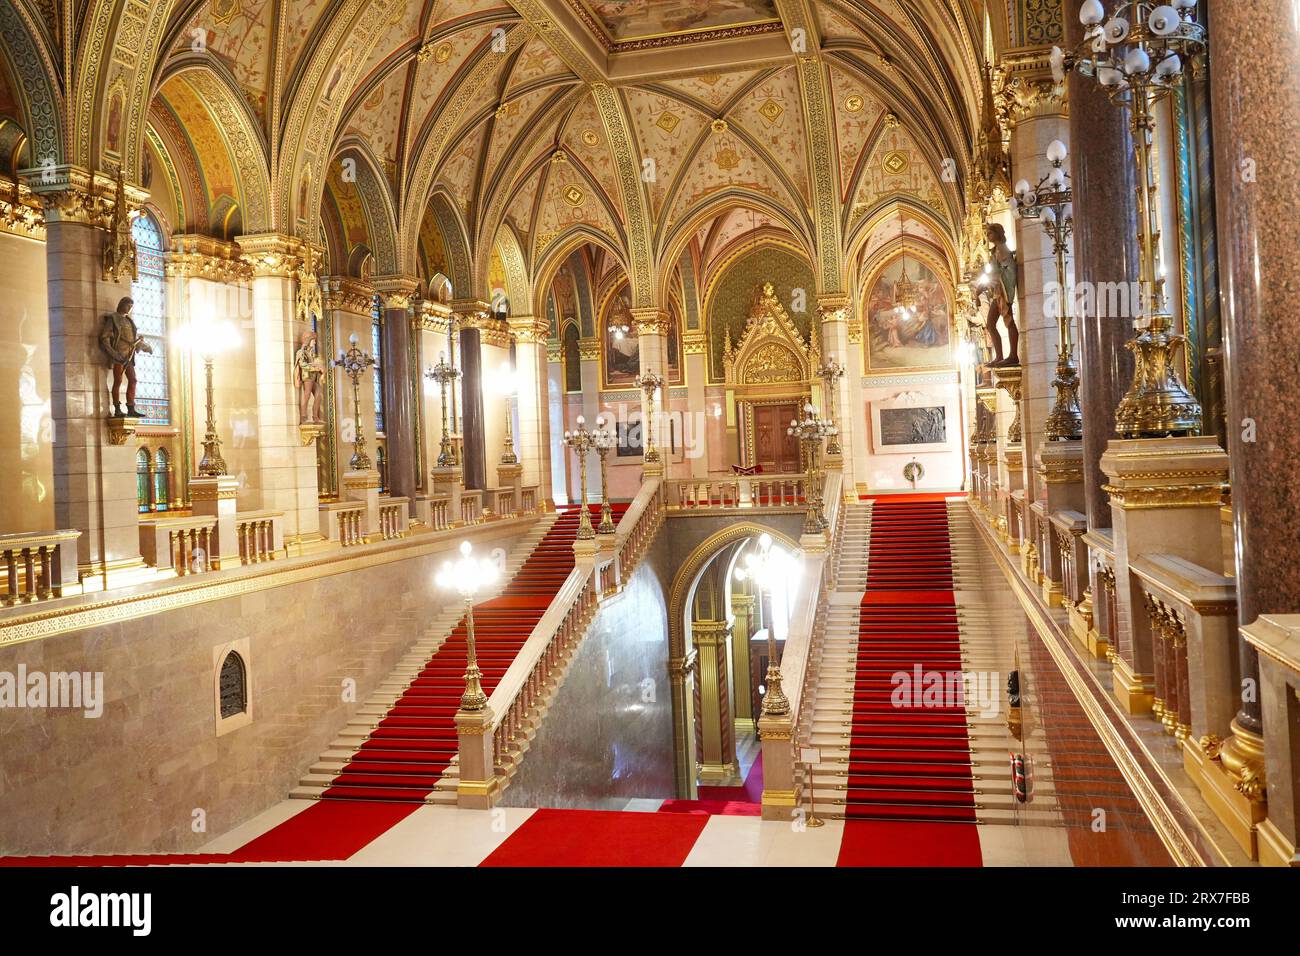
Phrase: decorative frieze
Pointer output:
(345, 294)
(202, 257)
(20, 212)
(272, 254)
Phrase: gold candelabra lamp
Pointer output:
(812, 431)
(1049, 203)
(764, 567)
(354, 362)
(604, 440)
(582, 440)
(650, 383)
(444, 373)
(1137, 53)
(469, 576)
(209, 339)
(831, 373)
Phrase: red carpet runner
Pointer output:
(412, 746)
(908, 763)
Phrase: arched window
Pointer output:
(142, 480)
(162, 480)
(377, 347)
(381, 466)
(150, 316)
(572, 359)
(234, 686)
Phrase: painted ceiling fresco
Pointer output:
(624, 20)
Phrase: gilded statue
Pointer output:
(120, 340)
(309, 379)
(1000, 286)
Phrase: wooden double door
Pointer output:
(775, 452)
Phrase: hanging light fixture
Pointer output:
(906, 293)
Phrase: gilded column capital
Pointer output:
(477, 314)
(272, 254)
(74, 194)
(835, 307)
(529, 328)
(202, 257)
(589, 349)
(432, 317)
(695, 342)
(650, 321)
(20, 211)
(1027, 89)
(397, 291)
(346, 294)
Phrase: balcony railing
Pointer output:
(38, 565)
(767, 491)
(521, 697)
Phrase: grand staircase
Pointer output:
(399, 745)
(908, 594)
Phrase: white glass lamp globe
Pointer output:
(1137, 61)
(1164, 21)
(1092, 13)
(1056, 151)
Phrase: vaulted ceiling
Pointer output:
(519, 129)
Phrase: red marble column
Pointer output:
(1255, 95)
(1105, 251)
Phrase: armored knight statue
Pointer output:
(309, 378)
(1003, 280)
(120, 341)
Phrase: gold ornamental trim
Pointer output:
(20, 212)
(589, 349)
(695, 342)
(348, 295)
(1147, 497)
(432, 317)
(272, 254)
(202, 257)
(529, 328)
(649, 321)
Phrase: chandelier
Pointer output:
(906, 294)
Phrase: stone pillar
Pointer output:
(651, 327)
(556, 411)
(695, 345)
(1256, 117)
(94, 459)
(1105, 257)
(1011, 452)
(833, 317)
(494, 359)
(218, 497)
(533, 431)
(718, 757)
(287, 468)
(1037, 115)
(401, 370)
(742, 697)
(589, 361)
(477, 786)
(1165, 496)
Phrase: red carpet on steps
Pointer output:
(600, 838)
(909, 766)
(408, 751)
(743, 801)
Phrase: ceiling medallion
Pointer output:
(668, 121)
(590, 138)
(771, 110)
(710, 79)
(726, 158)
(895, 163)
(854, 103)
(443, 53)
(574, 196)
(718, 126)
(224, 11)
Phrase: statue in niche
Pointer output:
(1001, 282)
(120, 340)
(309, 379)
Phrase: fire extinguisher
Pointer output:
(1019, 778)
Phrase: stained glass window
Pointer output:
(149, 313)
(162, 474)
(142, 480)
(377, 349)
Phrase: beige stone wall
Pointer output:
(26, 439)
(131, 779)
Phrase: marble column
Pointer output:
(1256, 119)
(470, 315)
(533, 435)
(695, 345)
(1105, 257)
(287, 468)
(742, 606)
(556, 412)
(401, 383)
(94, 460)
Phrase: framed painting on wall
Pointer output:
(908, 316)
(621, 348)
